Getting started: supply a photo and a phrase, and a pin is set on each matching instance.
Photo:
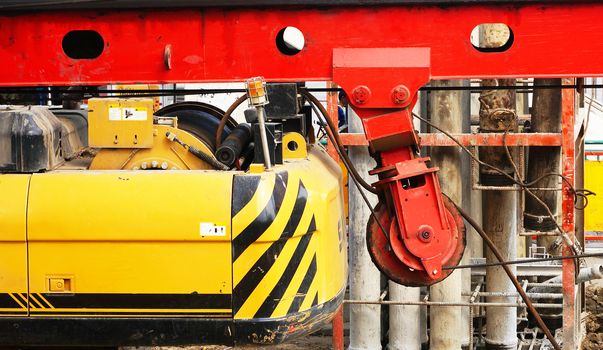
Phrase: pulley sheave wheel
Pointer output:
(399, 271)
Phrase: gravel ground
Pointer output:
(593, 317)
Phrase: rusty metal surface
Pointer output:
(338, 336)
(485, 139)
(332, 108)
(570, 324)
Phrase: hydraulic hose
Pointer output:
(225, 117)
(338, 143)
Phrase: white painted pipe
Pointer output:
(446, 329)
(586, 274)
(404, 320)
(365, 278)
(499, 215)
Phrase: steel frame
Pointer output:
(566, 141)
(232, 44)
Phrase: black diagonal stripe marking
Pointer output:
(41, 299)
(261, 267)
(261, 223)
(303, 288)
(6, 302)
(22, 298)
(35, 302)
(243, 189)
(276, 294)
(315, 300)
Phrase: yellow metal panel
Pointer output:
(128, 205)
(133, 267)
(13, 249)
(593, 180)
(120, 123)
(130, 233)
(13, 196)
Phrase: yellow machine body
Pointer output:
(221, 256)
(120, 123)
(163, 154)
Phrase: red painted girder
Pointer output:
(485, 139)
(568, 223)
(554, 40)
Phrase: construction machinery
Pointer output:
(147, 237)
(159, 236)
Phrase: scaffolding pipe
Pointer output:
(448, 331)
(445, 303)
(365, 278)
(586, 274)
(499, 211)
(405, 325)
(516, 295)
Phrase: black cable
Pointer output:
(353, 173)
(88, 91)
(511, 276)
(337, 141)
(170, 92)
(525, 261)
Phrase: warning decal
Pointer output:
(127, 113)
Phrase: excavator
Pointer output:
(124, 224)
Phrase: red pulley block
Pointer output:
(389, 253)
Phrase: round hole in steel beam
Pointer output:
(83, 44)
(492, 37)
(290, 41)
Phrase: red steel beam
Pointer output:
(570, 322)
(333, 109)
(593, 153)
(338, 331)
(211, 45)
(486, 139)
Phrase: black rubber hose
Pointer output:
(334, 131)
(234, 144)
(225, 117)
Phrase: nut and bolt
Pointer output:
(361, 94)
(425, 235)
(400, 94)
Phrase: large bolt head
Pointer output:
(425, 233)
(400, 94)
(361, 94)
